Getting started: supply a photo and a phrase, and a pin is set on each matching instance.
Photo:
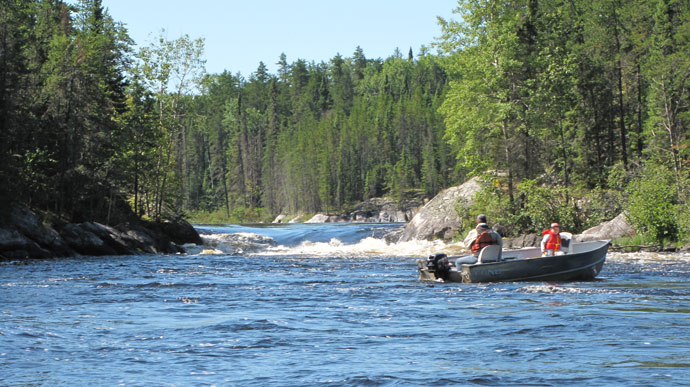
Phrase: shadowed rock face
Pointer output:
(24, 235)
(527, 240)
(438, 219)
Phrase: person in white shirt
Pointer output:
(551, 242)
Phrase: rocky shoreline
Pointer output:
(438, 220)
(374, 210)
(26, 235)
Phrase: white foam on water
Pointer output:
(254, 244)
(557, 288)
(646, 257)
(367, 247)
(233, 243)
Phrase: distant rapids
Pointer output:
(317, 240)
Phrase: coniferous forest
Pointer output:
(581, 109)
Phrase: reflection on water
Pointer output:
(335, 305)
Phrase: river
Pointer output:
(334, 304)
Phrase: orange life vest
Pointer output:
(554, 242)
(484, 239)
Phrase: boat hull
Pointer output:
(584, 262)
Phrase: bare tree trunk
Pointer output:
(639, 110)
(508, 164)
(564, 153)
(136, 185)
(621, 107)
(669, 125)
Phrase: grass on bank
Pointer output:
(639, 242)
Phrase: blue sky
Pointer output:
(240, 34)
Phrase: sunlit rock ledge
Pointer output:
(25, 235)
(615, 228)
(375, 210)
(438, 218)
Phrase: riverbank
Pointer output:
(25, 234)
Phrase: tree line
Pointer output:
(582, 107)
(317, 136)
(589, 99)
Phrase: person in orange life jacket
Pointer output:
(551, 242)
(478, 238)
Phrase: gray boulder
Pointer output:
(382, 210)
(144, 240)
(179, 231)
(91, 238)
(527, 240)
(376, 210)
(615, 228)
(14, 245)
(280, 218)
(25, 235)
(84, 241)
(325, 218)
(438, 219)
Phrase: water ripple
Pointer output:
(277, 319)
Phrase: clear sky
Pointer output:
(240, 34)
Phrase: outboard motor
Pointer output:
(439, 265)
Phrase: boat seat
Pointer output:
(491, 253)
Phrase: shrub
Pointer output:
(683, 211)
(596, 205)
(493, 201)
(652, 204)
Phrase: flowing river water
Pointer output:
(334, 304)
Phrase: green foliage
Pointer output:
(237, 215)
(652, 204)
(566, 88)
(464, 212)
(537, 205)
(596, 206)
(568, 98)
(543, 205)
(319, 136)
(683, 214)
(633, 243)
